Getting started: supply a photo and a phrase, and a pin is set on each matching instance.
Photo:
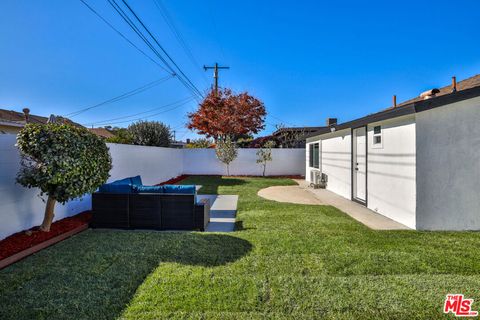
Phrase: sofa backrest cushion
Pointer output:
(137, 180)
(115, 188)
(179, 189)
(121, 186)
(122, 181)
(147, 189)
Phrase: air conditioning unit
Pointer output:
(318, 179)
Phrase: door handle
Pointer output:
(356, 169)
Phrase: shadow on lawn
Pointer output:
(208, 250)
(95, 275)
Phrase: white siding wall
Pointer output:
(391, 171)
(204, 161)
(448, 167)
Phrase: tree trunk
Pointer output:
(228, 171)
(49, 214)
(264, 167)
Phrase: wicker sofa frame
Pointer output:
(149, 211)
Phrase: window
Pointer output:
(314, 155)
(377, 137)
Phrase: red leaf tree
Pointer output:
(228, 115)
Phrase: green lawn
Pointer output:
(285, 261)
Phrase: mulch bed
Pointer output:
(174, 180)
(23, 240)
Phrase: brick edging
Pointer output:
(25, 253)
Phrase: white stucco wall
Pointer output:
(21, 208)
(391, 170)
(335, 161)
(448, 167)
(154, 164)
(284, 162)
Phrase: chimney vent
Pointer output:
(331, 122)
(26, 113)
(394, 101)
(429, 94)
(454, 84)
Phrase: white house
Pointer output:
(417, 163)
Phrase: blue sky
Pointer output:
(307, 60)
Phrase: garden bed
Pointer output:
(24, 243)
(173, 180)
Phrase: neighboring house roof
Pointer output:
(101, 132)
(17, 119)
(466, 89)
(178, 144)
(296, 129)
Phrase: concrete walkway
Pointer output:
(302, 194)
(223, 210)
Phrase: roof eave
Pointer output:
(410, 108)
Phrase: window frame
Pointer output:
(314, 149)
(377, 145)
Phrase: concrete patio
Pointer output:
(302, 194)
(223, 210)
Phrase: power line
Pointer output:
(124, 37)
(152, 115)
(185, 100)
(120, 97)
(291, 124)
(215, 29)
(180, 39)
(161, 47)
(180, 74)
(132, 25)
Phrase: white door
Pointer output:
(359, 164)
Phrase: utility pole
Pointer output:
(215, 74)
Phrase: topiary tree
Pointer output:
(63, 161)
(264, 154)
(150, 133)
(226, 152)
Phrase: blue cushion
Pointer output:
(137, 180)
(115, 188)
(122, 181)
(183, 189)
(147, 189)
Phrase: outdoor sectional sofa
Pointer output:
(128, 204)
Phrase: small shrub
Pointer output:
(226, 152)
(121, 135)
(264, 155)
(150, 133)
(200, 143)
